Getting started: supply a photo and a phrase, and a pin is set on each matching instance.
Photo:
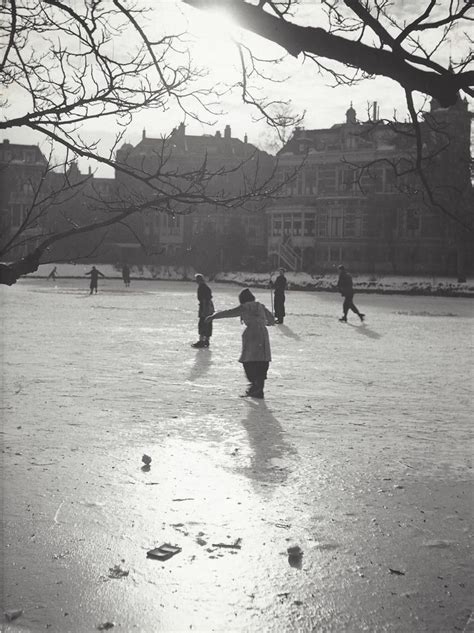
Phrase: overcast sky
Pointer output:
(300, 82)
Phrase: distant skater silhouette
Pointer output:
(256, 354)
(206, 307)
(279, 287)
(126, 275)
(52, 274)
(344, 284)
(95, 274)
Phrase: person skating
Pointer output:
(95, 274)
(206, 307)
(126, 275)
(256, 353)
(52, 274)
(344, 284)
(279, 288)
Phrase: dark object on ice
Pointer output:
(295, 556)
(163, 552)
(146, 459)
(396, 571)
(13, 614)
(344, 285)
(235, 545)
(105, 626)
(117, 572)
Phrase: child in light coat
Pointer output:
(256, 354)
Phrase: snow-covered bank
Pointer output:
(390, 284)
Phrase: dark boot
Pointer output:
(257, 388)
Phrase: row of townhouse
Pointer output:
(355, 196)
(348, 193)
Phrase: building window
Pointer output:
(286, 224)
(290, 179)
(353, 222)
(276, 226)
(327, 179)
(16, 214)
(390, 180)
(411, 222)
(309, 222)
(335, 223)
(322, 224)
(335, 254)
(347, 176)
(297, 224)
(310, 181)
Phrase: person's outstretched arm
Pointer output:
(225, 314)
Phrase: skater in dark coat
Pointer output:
(52, 274)
(95, 274)
(256, 353)
(206, 307)
(344, 285)
(126, 275)
(279, 288)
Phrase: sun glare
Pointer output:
(215, 32)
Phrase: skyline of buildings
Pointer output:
(348, 194)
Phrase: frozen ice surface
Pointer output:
(361, 454)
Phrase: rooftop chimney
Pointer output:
(227, 132)
(245, 138)
(218, 134)
(6, 141)
(182, 129)
(144, 133)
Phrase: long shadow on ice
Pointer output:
(363, 329)
(267, 443)
(284, 329)
(202, 364)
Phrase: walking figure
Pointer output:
(206, 307)
(279, 288)
(256, 353)
(126, 275)
(52, 274)
(95, 274)
(344, 284)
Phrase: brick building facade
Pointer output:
(22, 168)
(203, 227)
(352, 196)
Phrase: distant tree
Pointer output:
(424, 48)
(367, 38)
(65, 67)
(353, 40)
